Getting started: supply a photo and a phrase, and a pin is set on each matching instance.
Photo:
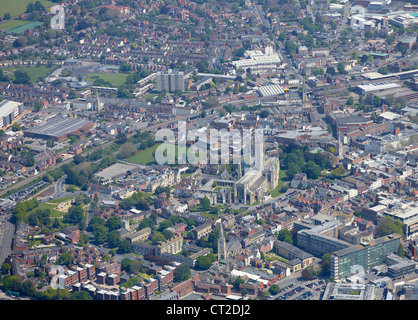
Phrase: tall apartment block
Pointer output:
(9, 110)
(170, 80)
(365, 255)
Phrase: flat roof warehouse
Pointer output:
(58, 128)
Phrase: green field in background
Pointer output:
(116, 79)
(17, 7)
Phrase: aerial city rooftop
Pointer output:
(323, 207)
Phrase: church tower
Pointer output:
(259, 150)
(340, 145)
(222, 253)
(98, 104)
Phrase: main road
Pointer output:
(7, 230)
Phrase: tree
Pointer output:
(39, 6)
(389, 99)
(292, 169)
(100, 234)
(123, 93)
(21, 77)
(28, 288)
(5, 268)
(274, 289)
(264, 114)
(202, 65)
(307, 273)
(341, 68)
(205, 204)
(325, 264)
(312, 170)
(350, 101)
(401, 251)
(290, 47)
(72, 94)
(387, 225)
(338, 172)
(285, 235)
(237, 283)
(400, 103)
(182, 273)
(158, 238)
(65, 258)
(125, 67)
(124, 247)
(331, 71)
(75, 215)
(82, 295)
(211, 102)
(37, 106)
(121, 138)
(16, 127)
(30, 161)
(113, 223)
(20, 42)
(126, 149)
(114, 239)
(244, 292)
(377, 102)
(30, 8)
(383, 70)
(205, 262)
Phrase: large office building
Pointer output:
(170, 80)
(9, 110)
(398, 266)
(406, 214)
(321, 239)
(351, 291)
(365, 255)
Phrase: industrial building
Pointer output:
(9, 110)
(257, 61)
(270, 90)
(59, 128)
(365, 89)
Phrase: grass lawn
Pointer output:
(18, 7)
(271, 256)
(276, 191)
(46, 205)
(12, 24)
(146, 157)
(59, 200)
(34, 72)
(116, 79)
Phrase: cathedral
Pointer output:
(249, 184)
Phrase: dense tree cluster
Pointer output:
(299, 158)
(387, 226)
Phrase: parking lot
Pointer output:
(305, 290)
